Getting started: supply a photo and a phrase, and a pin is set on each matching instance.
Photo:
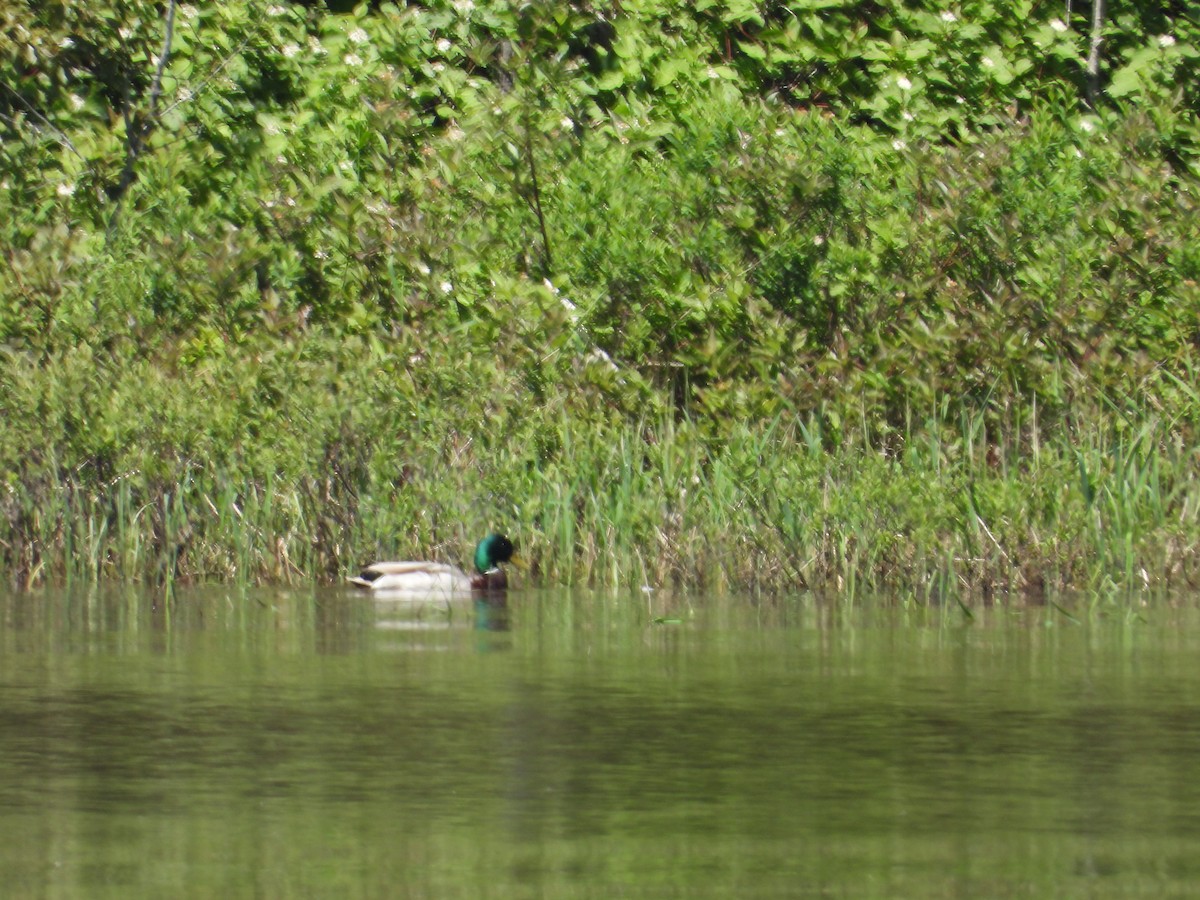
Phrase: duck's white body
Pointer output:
(421, 579)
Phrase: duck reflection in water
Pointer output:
(491, 610)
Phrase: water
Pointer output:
(309, 744)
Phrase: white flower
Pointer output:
(125, 33)
(346, 166)
(276, 11)
(567, 123)
(948, 16)
(438, 66)
(446, 287)
(358, 36)
(1086, 126)
(903, 83)
(713, 73)
(316, 46)
(454, 133)
(907, 116)
(422, 268)
(818, 240)
(320, 254)
(1166, 40)
(188, 11)
(464, 6)
(77, 102)
(443, 46)
(68, 42)
(65, 189)
(1058, 25)
(987, 62)
(352, 59)
(899, 144)
(281, 159)
(290, 50)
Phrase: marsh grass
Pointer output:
(975, 504)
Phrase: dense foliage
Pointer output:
(285, 286)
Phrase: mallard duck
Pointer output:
(432, 578)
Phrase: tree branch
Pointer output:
(139, 128)
(547, 263)
(1093, 60)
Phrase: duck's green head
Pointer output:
(491, 551)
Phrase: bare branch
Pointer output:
(156, 86)
(1093, 60)
(138, 129)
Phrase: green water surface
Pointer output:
(309, 743)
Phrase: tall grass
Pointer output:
(351, 464)
(654, 504)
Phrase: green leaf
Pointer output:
(667, 72)
(1129, 78)
(752, 50)
(610, 81)
(1126, 81)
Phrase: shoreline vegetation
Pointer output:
(725, 296)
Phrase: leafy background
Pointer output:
(286, 285)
